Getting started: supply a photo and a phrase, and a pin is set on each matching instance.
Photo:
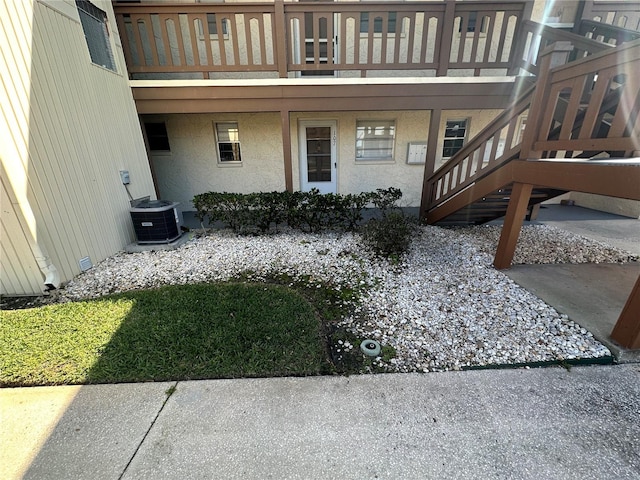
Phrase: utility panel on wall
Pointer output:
(417, 153)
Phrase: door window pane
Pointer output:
(318, 154)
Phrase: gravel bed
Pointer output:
(546, 244)
(443, 307)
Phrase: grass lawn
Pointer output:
(172, 333)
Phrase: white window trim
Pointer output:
(221, 163)
(379, 160)
(464, 139)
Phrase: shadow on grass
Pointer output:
(213, 331)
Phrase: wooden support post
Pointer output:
(430, 163)
(533, 212)
(627, 329)
(280, 27)
(444, 49)
(516, 210)
(286, 149)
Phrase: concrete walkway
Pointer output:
(592, 295)
(520, 424)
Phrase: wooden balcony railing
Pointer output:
(575, 110)
(536, 37)
(623, 13)
(284, 37)
(573, 115)
(605, 33)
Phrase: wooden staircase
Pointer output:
(575, 112)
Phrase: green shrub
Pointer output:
(390, 235)
(308, 211)
(386, 200)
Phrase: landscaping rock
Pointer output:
(442, 306)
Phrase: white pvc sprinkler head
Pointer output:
(371, 348)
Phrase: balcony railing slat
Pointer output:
(166, 44)
(503, 35)
(247, 17)
(623, 120)
(194, 41)
(489, 40)
(179, 38)
(135, 23)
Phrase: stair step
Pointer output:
(493, 206)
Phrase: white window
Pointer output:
(96, 33)
(455, 135)
(375, 139)
(228, 142)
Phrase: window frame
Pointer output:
(384, 123)
(153, 135)
(377, 27)
(219, 142)
(464, 137)
(100, 49)
(472, 23)
(212, 26)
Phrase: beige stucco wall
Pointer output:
(618, 206)
(192, 166)
(66, 129)
(557, 11)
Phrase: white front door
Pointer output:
(318, 161)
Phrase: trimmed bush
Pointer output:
(256, 213)
(390, 235)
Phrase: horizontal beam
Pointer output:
(621, 180)
(334, 96)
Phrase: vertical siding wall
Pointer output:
(69, 127)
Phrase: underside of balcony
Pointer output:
(326, 94)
